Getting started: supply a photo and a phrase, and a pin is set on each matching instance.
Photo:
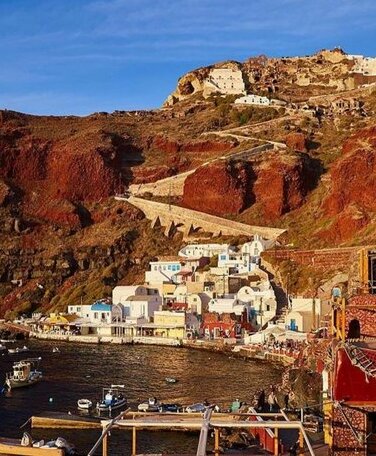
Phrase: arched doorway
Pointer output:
(354, 329)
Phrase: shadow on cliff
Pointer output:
(128, 156)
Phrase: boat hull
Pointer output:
(116, 405)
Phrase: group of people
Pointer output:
(267, 401)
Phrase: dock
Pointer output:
(13, 446)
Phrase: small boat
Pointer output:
(7, 341)
(84, 404)
(196, 408)
(151, 405)
(3, 348)
(55, 350)
(171, 380)
(112, 399)
(28, 447)
(25, 373)
(170, 408)
(13, 351)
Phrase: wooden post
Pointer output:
(134, 441)
(301, 443)
(105, 445)
(216, 441)
(276, 442)
(343, 314)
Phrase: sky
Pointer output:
(83, 56)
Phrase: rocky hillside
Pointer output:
(63, 237)
(288, 78)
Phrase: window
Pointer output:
(178, 267)
(257, 252)
(155, 268)
(164, 268)
(103, 315)
(95, 315)
(223, 257)
(169, 267)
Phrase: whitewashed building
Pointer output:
(252, 99)
(245, 260)
(99, 312)
(141, 306)
(204, 250)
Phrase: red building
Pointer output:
(352, 379)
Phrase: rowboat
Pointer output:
(84, 404)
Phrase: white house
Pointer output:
(252, 99)
(203, 250)
(173, 269)
(99, 312)
(227, 304)
(262, 300)
(247, 259)
(164, 270)
(141, 306)
(305, 313)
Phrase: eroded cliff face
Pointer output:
(275, 185)
(221, 188)
(351, 201)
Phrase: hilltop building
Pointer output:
(227, 81)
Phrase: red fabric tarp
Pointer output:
(350, 383)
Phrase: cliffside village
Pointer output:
(209, 291)
(214, 293)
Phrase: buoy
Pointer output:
(51, 399)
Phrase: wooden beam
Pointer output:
(105, 445)
(276, 449)
(216, 441)
(134, 441)
(301, 443)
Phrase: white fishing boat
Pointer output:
(7, 341)
(112, 398)
(151, 405)
(13, 351)
(25, 373)
(84, 404)
(171, 380)
(55, 350)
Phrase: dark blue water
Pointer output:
(82, 370)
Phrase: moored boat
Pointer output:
(25, 373)
(84, 404)
(170, 408)
(171, 380)
(28, 447)
(151, 405)
(112, 399)
(23, 349)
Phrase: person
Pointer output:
(261, 401)
(286, 399)
(271, 400)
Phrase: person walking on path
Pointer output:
(272, 401)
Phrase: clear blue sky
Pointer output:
(81, 56)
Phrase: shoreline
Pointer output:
(246, 352)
